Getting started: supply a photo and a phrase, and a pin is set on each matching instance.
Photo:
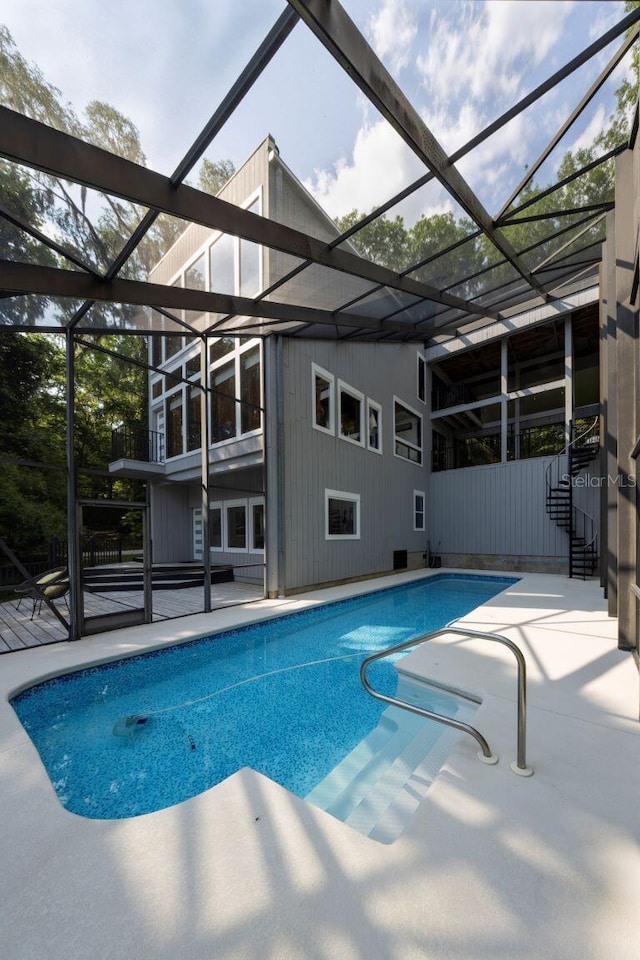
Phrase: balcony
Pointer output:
(136, 452)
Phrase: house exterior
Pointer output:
(330, 460)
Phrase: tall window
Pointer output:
(322, 399)
(194, 279)
(418, 510)
(256, 542)
(223, 404)
(422, 379)
(342, 515)
(236, 525)
(407, 432)
(193, 418)
(351, 418)
(374, 426)
(173, 425)
(250, 390)
(222, 265)
(215, 526)
(250, 262)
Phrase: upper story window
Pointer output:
(407, 432)
(374, 426)
(351, 414)
(173, 424)
(323, 399)
(422, 379)
(223, 403)
(250, 390)
(222, 270)
(195, 279)
(249, 262)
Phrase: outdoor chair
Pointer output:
(53, 585)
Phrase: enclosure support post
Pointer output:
(204, 446)
(73, 561)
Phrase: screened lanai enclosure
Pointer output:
(199, 274)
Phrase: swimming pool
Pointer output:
(282, 696)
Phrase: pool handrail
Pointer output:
(520, 765)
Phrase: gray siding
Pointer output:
(498, 509)
(315, 461)
(244, 182)
(171, 529)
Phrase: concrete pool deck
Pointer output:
(491, 866)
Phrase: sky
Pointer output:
(166, 64)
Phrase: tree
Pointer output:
(214, 175)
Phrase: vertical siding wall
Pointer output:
(315, 461)
(498, 510)
(171, 528)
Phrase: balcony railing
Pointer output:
(137, 443)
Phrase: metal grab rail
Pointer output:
(520, 765)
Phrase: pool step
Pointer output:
(378, 786)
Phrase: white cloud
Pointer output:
(392, 31)
(596, 125)
(486, 54)
(380, 166)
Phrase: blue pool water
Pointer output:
(282, 696)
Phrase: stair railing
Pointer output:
(555, 463)
(518, 766)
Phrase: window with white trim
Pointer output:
(374, 426)
(322, 399)
(350, 414)
(418, 510)
(256, 525)
(407, 425)
(342, 515)
(236, 525)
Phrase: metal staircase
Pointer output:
(580, 526)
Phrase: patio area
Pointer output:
(491, 866)
(18, 631)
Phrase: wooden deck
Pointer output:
(19, 632)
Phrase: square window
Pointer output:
(342, 515)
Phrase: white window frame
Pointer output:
(228, 504)
(331, 380)
(421, 377)
(352, 392)
(419, 493)
(372, 405)
(218, 505)
(341, 495)
(249, 202)
(167, 398)
(253, 502)
(420, 449)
